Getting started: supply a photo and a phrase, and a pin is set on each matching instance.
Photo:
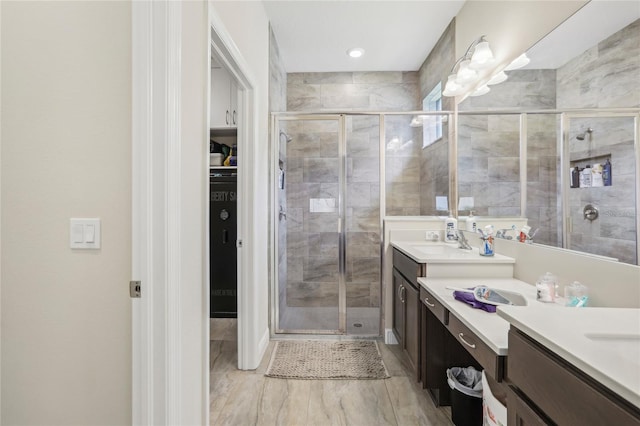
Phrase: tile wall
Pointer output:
(434, 159)
(312, 173)
(489, 152)
(605, 76)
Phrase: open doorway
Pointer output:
(223, 215)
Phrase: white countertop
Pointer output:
(489, 327)
(432, 252)
(602, 342)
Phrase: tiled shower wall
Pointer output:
(434, 159)
(312, 257)
(489, 152)
(605, 76)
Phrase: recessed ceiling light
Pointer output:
(356, 52)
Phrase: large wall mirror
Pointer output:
(581, 92)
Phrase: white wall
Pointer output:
(248, 26)
(66, 152)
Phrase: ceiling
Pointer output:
(313, 36)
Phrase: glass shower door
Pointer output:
(310, 294)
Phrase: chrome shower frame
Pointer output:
(452, 116)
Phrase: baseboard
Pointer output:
(262, 345)
(389, 337)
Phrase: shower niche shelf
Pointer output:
(591, 160)
(587, 158)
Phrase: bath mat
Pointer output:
(323, 359)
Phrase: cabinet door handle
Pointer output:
(234, 117)
(402, 293)
(426, 301)
(471, 345)
(226, 117)
(225, 236)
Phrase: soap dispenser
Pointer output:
(471, 224)
(451, 227)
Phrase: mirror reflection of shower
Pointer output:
(582, 135)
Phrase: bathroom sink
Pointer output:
(515, 298)
(426, 249)
(441, 249)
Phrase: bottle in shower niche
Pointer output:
(575, 177)
(607, 173)
(585, 177)
(596, 175)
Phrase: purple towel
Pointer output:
(470, 299)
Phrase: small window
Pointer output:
(432, 124)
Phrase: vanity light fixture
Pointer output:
(464, 73)
(518, 62)
(482, 55)
(498, 78)
(482, 90)
(355, 52)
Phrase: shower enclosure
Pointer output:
(520, 164)
(328, 224)
(335, 176)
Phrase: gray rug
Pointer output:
(323, 359)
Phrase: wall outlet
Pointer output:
(432, 236)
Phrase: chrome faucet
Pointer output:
(462, 241)
(502, 233)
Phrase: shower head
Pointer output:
(582, 135)
(286, 136)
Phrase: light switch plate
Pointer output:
(84, 233)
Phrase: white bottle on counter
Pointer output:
(471, 224)
(450, 229)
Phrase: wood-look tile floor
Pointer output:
(242, 398)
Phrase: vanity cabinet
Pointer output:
(546, 389)
(406, 307)
(492, 363)
(439, 349)
(224, 100)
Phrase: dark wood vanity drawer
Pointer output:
(486, 357)
(408, 267)
(434, 306)
(564, 393)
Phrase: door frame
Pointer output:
(170, 350)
